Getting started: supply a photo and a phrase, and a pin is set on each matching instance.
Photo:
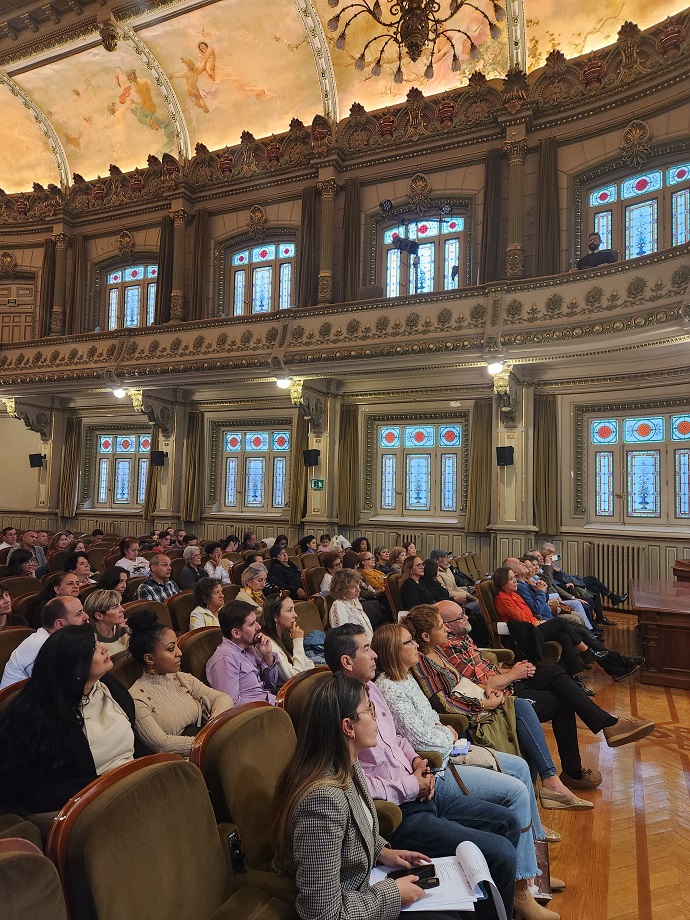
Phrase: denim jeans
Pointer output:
(515, 792)
(532, 741)
(436, 828)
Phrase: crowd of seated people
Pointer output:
(428, 668)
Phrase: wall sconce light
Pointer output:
(496, 367)
(283, 383)
(119, 393)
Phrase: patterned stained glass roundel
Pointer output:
(603, 196)
(644, 429)
(449, 435)
(604, 431)
(680, 427)
(281, 440)
(233, 440)
(389, 437)
(677, 174)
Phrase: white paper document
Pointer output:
(459, 877)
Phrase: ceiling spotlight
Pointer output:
(495, 367)
(119, 393)
(283, 383)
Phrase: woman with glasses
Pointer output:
(325, 831)
(415, 720)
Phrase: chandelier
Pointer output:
(413, 25)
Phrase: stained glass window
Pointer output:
(644, 498)
(449, 482)
(388, 483)
(231, 482)
(418, 482)
(393, 234)
(389, 437)
(680, 427)
(263, 253)
(262, 279)
(233, 440)
(141, 482)
(678, 174)
(604, 431)
(453, 225)
(425, 228)
(103, 470)
(640, 229)
(279, 477)
(281, 440)
(393, 263)
(680, 217)
(423, 270)
(449, 435)
(113, 297)
(420, 436)
(125, 444)
(105, 444)
(451, 267)
(604, 195)
(285, 286)
(241, 258)
(286, 250)
(144, 443)
(114, 277)
(602, 225)
(642, 184)
(123, 480)
(682, 482)
(132, 303)
(135, 273)
(255, 471)
(238, 297)
(603, 464)
(256, 440)
(151, 271)
(647, 429)
(150, 302)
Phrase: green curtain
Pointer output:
(199, 255)
(153, 476)
(165, 271)
(352, 238)
(75, 321)
(47, 288)
(308, 263)
(480, 467)
(190, 508)
(547, 257)
(69, 473)
(298, 488)
(490, 255)
(546, 465)
(349, 466)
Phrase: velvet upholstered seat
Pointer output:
(197, 647)
(551, 653)
(29, 883)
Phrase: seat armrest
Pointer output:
(456, 720)
(434, 758)
(495, 655)
(389, 815)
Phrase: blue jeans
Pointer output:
(436, 828)
(532, 741)
(514, 789)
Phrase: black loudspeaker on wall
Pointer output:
(36, 461)
(505, 456)
(311, 457)
(158, 457)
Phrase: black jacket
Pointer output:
(187, 577)
(30, 787)
(422, 592)
(286, 577)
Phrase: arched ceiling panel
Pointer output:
(235, 68)
(590, 25)
(105, 107)
(25, 154)
(377, 92)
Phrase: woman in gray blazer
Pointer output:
(326, 830)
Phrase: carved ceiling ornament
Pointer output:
(419, 191)
(36, 417)
(257, 223)
(635, 146)
(158, 411)
(8, 263)
(125, 245)
(109, 35)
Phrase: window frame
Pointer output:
(375, 454)
(99, 304)
(225, 250)
(88, 494)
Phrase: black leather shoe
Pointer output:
(617, 599)
(583, 686)
(599, 655)
(604, 621)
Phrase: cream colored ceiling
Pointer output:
(182, 76)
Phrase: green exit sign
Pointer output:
(317, 484)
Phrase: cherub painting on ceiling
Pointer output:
(135, 97)
(204, 67)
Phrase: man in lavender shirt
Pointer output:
(437, 816)
(244, 665)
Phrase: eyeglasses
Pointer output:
(371, 709)
(463, 616)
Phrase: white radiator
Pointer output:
(614, 564)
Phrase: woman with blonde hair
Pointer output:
(108, 619)
(254, 579)
(346, 607)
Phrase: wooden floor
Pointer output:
(629, 858)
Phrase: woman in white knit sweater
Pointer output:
(170, 706)
(279, 623)
(346, 607)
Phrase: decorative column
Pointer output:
(328, 189)
(179, 218)
(57, 315)
(516, 148)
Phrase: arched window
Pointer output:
(130, 295)
(260, 278)
(424, 256)
(640, 213)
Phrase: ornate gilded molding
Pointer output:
(635, 143)
(36, 417)
(256, 223)
(322, 57)
(44, 124)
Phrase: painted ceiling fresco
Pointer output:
(205, 75)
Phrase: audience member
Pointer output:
(58, 612)
(96, 536)
(42, 539)
(214, 568)
(445, 577)
(9, 537)
(114, 579)
(78, 563)
(281, 540)
(308, 544)
(68, 725)
(190, 539)
(135, 564)
(22, 563)
(332, 563)
(590, 587)
(374, 577)
(359, 545)
(209, 598)
(244, 665)
(162, 544)
(170, 706)
(284, 574)
(178, 538)
(59, 544)
(279, 623)
(596, 256)
(108, 619)
(346, 606)
(398, 556)
(418, 583)
(410, 549)
(382, 557)
(29, 542)
(249, 541)
(254, 578)
(7, 618)
(231, 543)
(158, 586)
(324, 543)
(325, 830)
(192, 570)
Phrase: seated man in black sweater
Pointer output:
(596, 256)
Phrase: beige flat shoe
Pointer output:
(551, 799)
